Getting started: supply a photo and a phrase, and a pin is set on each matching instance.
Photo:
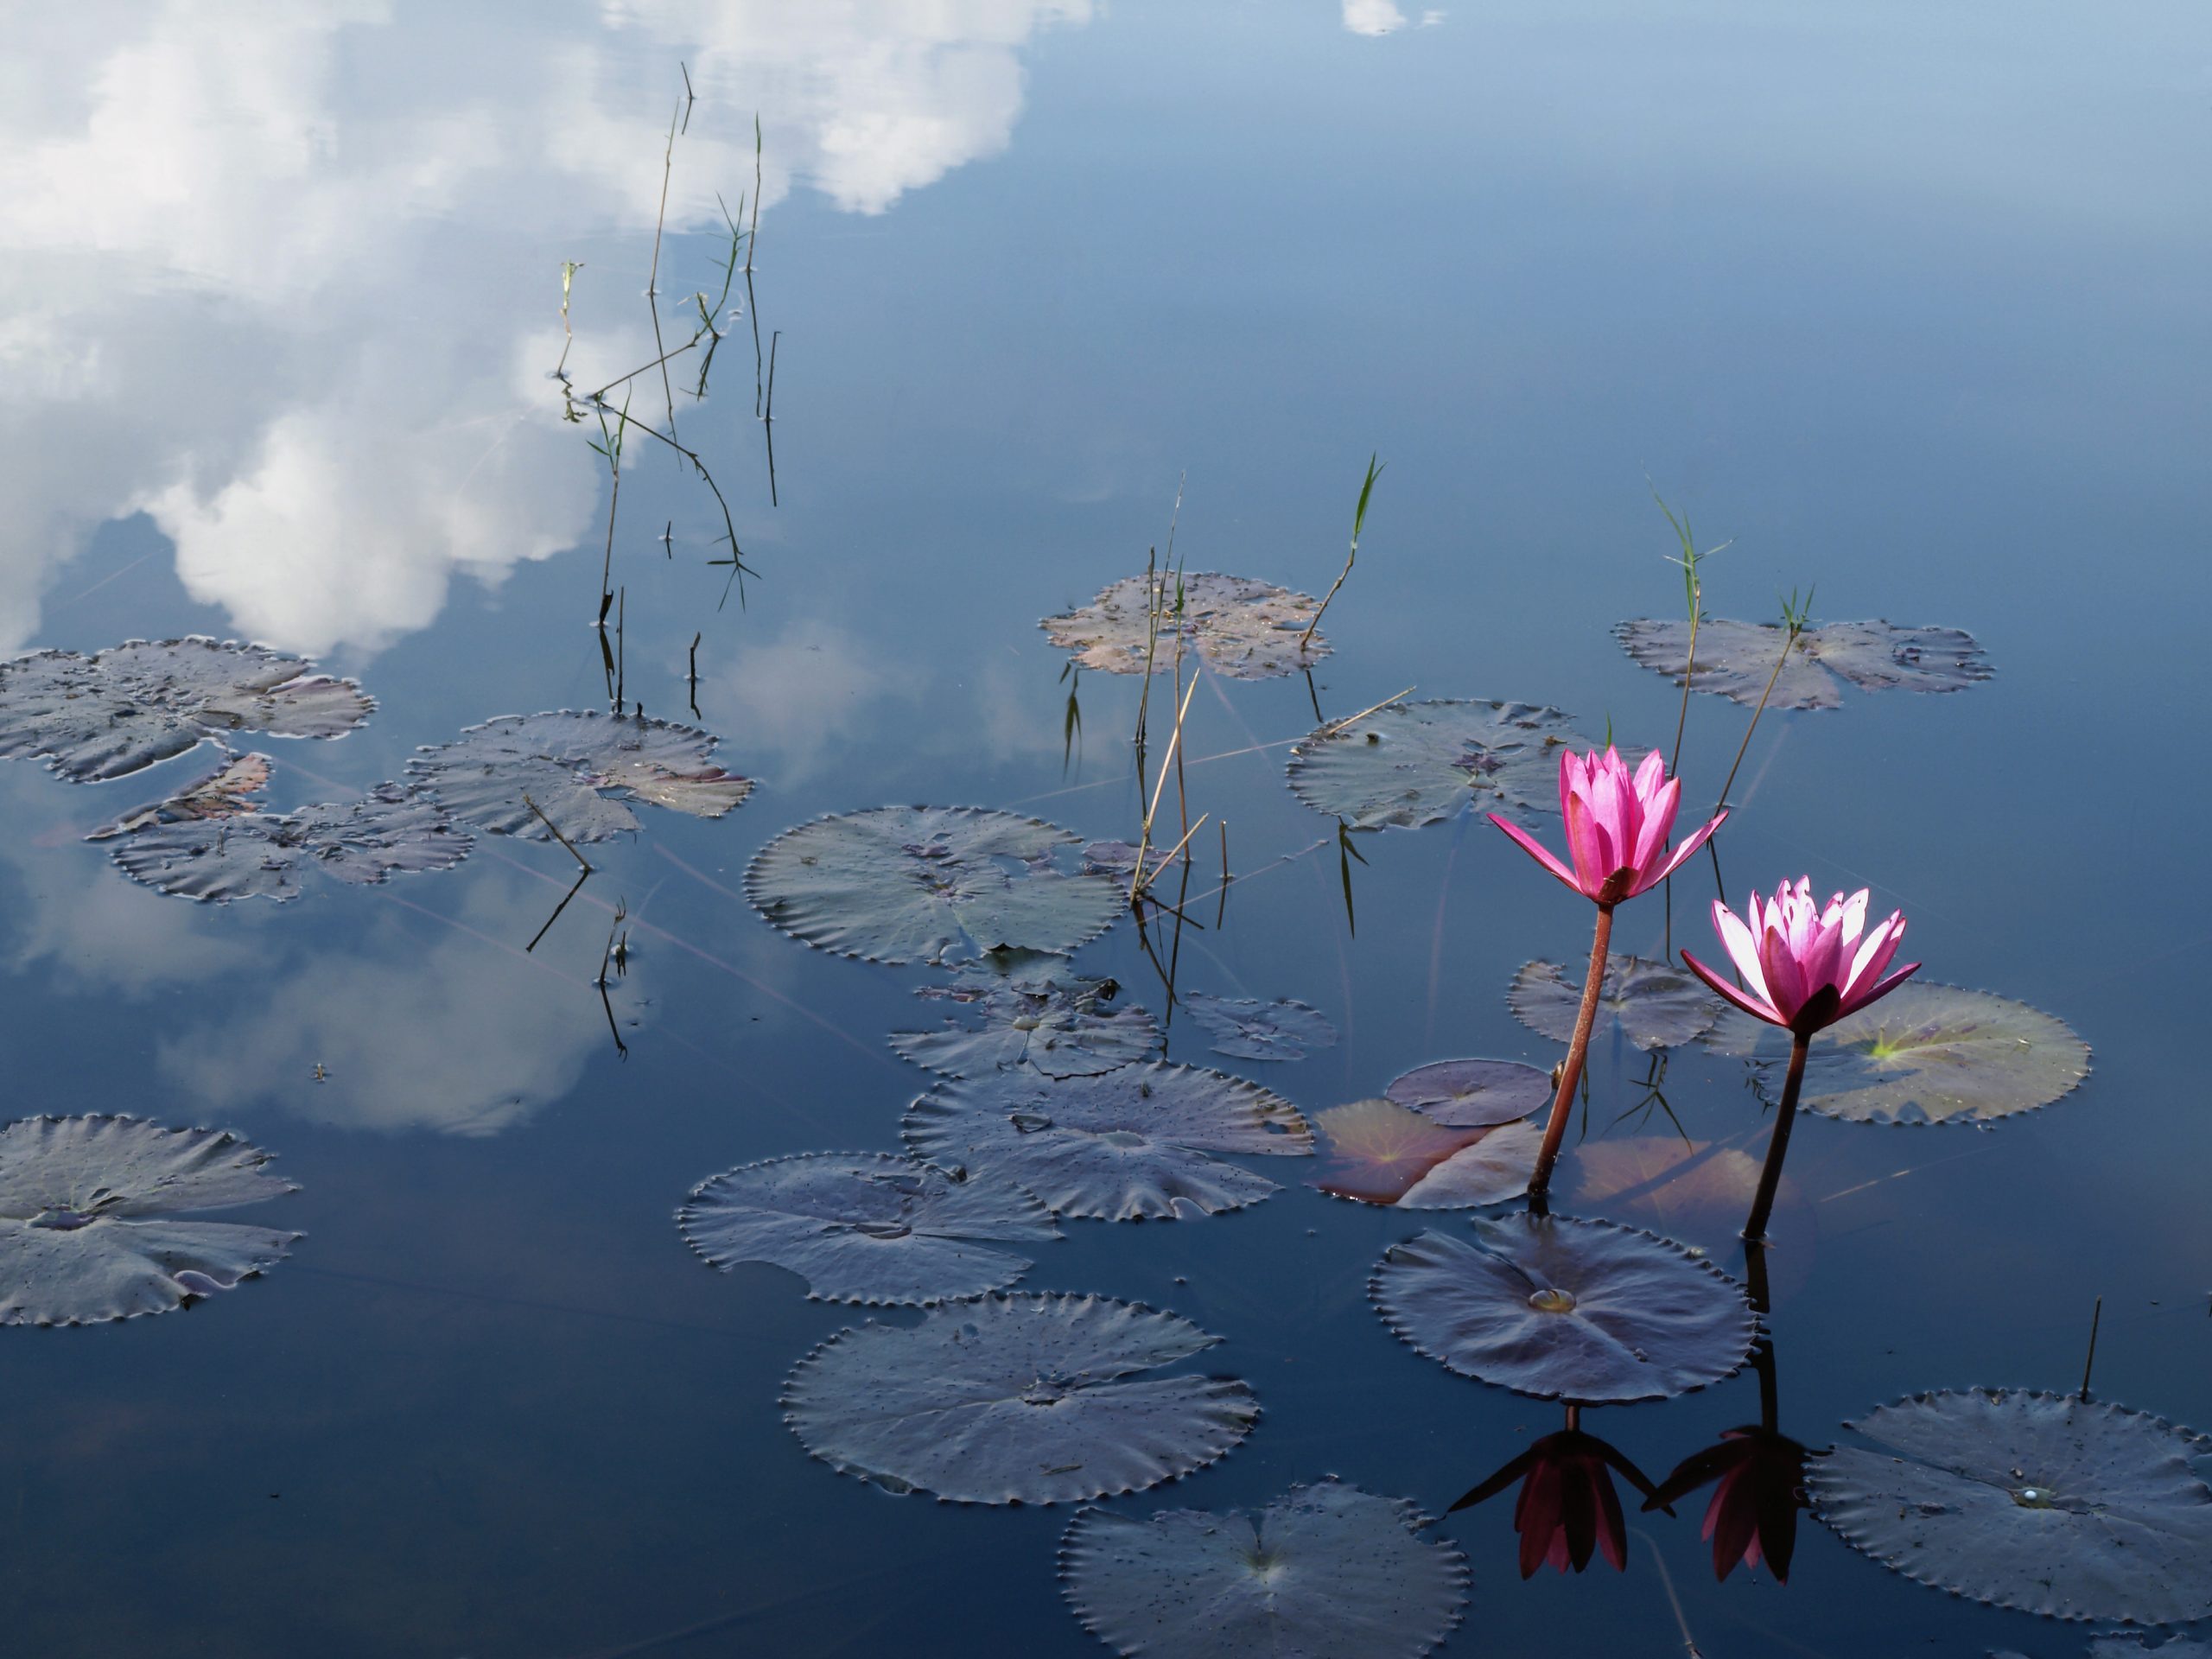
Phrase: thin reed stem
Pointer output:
(1570, 1073)
(1778, 1146)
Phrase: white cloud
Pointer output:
(789, 703)
(1372, 17)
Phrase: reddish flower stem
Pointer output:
(1778, 1146)
(1570, 1073)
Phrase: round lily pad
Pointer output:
(1561, 1308)
(1736, 659)
(88, 1230)
(2035, 1501)
(1409, 763)
(865, 1226)
(1017, 1399)
(899, 884)
(1931, 1053)
(1380, 1152)
(577, 770)
(1655, 1006)
(1246, 1028)
(1241, 629)
(1324, 1572)
(1134, 1142)
(120, 710)
(1057, 1037)
(1473, 1094)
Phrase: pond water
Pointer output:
(1902, 303)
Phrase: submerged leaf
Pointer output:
(1657, 1006)
(865, 1226)
(1017, 1399)
(122, 709)
(899, 884)
(1249, 1029)
(1409, 763)
(1382, 1152)
(1324, 1572)
(1736, 659)
(1056, 1037)
(1931, 1053)
(1560, 1308)
(1135, 1142)
(86, 1208)
(577, 770)
(1473, 1094)
(2035, 1501)
(1241, 629)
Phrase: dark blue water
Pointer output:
(1902, 301)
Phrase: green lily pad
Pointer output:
(1473, 1094)
(1408, 764)
(1931, 1053)
(1736, 659)
(1041, 1034)
(577, 770)
(1246, 1028)
(1655, 1005)
(1241, 629)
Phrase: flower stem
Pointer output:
(1570, 1073)
(1778, 1146)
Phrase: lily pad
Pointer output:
(1119, 860)
(578, 770)
(1473, 1094)
(1735, 659)
(1409, 763)
(1561, 1308)
(87, 1218)
(1135, 1142)
(1240, 628)
(120, 710)
(1042, 974)
(210, 842)
(1246, 1028)
(1017, 1399)
(1655, 1006)
(2035, 1501)
(1380, 1152)
(1696, 1190)
(1931, 1053)
(865, 1226)
(1324, 1572)
(1055, 1037)
(899, 884)
(2135, 1644)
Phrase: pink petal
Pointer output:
(1589, 867)
(1741, 945)
(1785, 982)
(1875, 951)
(1755, 1008)
(1538, 851)
(1880, 991)
(1854, 919)
(1658, 819)
(1609, 816)
(1570, 774)
(1649, 775)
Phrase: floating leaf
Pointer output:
(1657, 1006)
(1242, 629)
(865, 1226)
(1048, 976)
(578, 770)
(1409, 763)
(1698, 1191)
(899, 884)
(1382, 1152)
(1017, 1399)
(1931, 1053)
(2134, 1644)
(86, 1208)
(1324, 1572)
(1249, 1029)
(122, 709)
(1134, 1142)
(1735, 659)
(2035, 1501)
(1473, 1094)
(1560, 1308)
(1021, 1032)
(211, 842)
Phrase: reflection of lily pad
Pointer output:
(901, 884)
(1657, 1006)
(1246, 1028)
(865, 1226)
(2034, 1501)
(1473, 1094)
(1930, 1054)
(1242, 629)
(1135, 1142)
(1324, 1572)
(1566, 1309)
(1056, 1037)
(1735, 659)
(1380, 1152)
(125, 708)
(87, 1231)
(1017, 1399)
(210, 841)
(1414, 763)
(578, 770)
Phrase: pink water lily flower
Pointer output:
(1805, 967)
(1616, 825)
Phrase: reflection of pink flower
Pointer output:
(1567, 1507)
(1616, 825)
(1753, 1514)
(1804, 967)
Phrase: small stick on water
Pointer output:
(621, 914)
(1336, 726)
(582, 876)
(1137, 881)
(621, 654)
(693, 676)
(752, 239)
(652, 278)
(2096, 1318)
(689, 97)
(1358, 519)
(1222, 909)
(555, 829)
(768, 416)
